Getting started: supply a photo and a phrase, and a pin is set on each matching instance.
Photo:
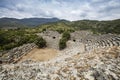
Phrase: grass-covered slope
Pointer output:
(112, 26)
(102, 27)
(59, 26)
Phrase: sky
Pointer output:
(64, 9)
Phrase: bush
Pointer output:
(62, 43)
(60, 31)
(63, 40)
(40, 42)
(44, 29)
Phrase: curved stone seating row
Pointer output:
(15, 54)
(102, 41)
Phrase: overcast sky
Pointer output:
(63, 9)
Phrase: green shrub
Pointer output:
(40, 42)
(62, 43)
(44, 29)
(63, 40)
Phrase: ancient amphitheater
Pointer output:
(87, 57)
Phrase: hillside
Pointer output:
(103, 27)
(59, 26)
(26, 22)
(97, 27)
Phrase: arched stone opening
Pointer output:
(54, 37)
(74, 40)
(0, 62)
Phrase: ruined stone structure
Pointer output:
(83, 40)
(87, 57)
(80, 38)
(92, 41)
(15, 54)
(101, 41)
(52, 38)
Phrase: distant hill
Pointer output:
(26, 22)
(37, 21)
(110, 26)
(103, 27)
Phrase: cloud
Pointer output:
(63, 9)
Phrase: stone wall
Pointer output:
(52, 38)
(79, 35)
(79, 38)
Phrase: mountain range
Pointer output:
(26, 22)
(109, 26)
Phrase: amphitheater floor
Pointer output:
(40, 55)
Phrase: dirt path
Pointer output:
(40, 55)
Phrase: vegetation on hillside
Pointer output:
(13, 38)
(97, 27)
(101, 27)
(60, 26)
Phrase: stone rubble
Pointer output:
(101, 64)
